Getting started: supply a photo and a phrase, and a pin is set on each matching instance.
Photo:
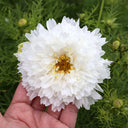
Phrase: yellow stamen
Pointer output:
(63, 64)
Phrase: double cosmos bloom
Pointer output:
(62, 64)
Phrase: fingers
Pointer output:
(36, 104)
(20, 95)
(53, 114)
(44, 120)
(69, 115)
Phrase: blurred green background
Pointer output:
(20, 16)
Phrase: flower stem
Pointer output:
(100, 13)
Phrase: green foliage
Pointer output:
(109, 15)
(114, 29)
(111, 113)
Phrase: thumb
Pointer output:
(3, 122)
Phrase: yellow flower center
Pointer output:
(63, 64)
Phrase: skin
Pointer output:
(23, 113)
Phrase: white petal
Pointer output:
(51, 23)
(95, 95)
(98, 88)
(71, 21)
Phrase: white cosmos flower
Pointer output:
(63, 64)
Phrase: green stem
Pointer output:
(100, 13)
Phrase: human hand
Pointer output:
(23, 113)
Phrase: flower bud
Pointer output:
(110, 22)
(26, 31)
(118, 103)
(111, 1)
(22, 22)
(116, 44)
(20, 48)
(126, 109)
(82, 15)
(122, 47)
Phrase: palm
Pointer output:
(23, 113)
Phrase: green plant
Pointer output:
(109, 15)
